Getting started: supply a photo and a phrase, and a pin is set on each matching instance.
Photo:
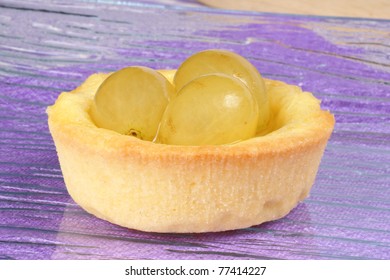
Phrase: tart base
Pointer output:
(166, 188)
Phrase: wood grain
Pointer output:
(47, 48)
(342, 8)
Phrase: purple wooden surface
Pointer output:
(51, 46)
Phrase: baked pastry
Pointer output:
(169, 188)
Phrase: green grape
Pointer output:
(132, 101)
(210, 110)
(229, 63)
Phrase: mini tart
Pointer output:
(167, 188)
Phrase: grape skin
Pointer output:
(210, 110)
(229, 63)
(132, 101)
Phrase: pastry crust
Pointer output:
(166, 188)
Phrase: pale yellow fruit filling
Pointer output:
(215, 97)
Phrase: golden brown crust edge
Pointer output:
(163, 188)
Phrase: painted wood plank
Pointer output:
(48, 48)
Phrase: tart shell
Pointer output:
(167, 188)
